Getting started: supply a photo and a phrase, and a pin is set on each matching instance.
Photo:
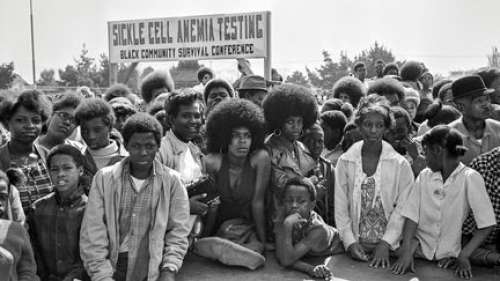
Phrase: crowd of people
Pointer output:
(121, 186)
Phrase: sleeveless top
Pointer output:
(236, 202)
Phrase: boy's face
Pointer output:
(398, 133)
(95, 133)
(142, 149)
(4, 197)
(64, 172)
(315, 143)
(298, 200)
(187, 123)
(216, 95)
(345, 97)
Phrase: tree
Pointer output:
(69, 76)
(371, 55)
(494, 58)
(299, 78)
(184, 73)
(6, 75)
(327, 74)
(47, 78)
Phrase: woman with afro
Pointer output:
(289, 110)
(240, 167)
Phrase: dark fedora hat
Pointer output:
(469, 86)
(253, 82)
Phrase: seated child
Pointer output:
(301, 232)
(438, 205)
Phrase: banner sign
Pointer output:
(198, 37)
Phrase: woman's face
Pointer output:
(292, 129)
(373, 127)
(25, 125)
(62, 123)
(215, 96)
(64, 172)
(411, 107)
(241, 140)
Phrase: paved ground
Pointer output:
(344, 269)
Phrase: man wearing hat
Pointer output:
(480, 133)
(253, 88)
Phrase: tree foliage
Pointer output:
(494, 58)
(6, 75)
(47, 78)
(299, 78)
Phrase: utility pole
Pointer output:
(32, 45)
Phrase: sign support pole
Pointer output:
(267, 59)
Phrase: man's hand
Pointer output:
(321, 271)
(381, 256)
(292, 219)
(356, 252)
(463, 268)
(404, 262)
(197, 207)
(166, 275)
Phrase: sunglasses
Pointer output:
(66, 116)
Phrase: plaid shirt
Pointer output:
(38, 182)
(135, 219)
(488, 165)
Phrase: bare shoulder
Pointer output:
(213, 162)
(259, 157)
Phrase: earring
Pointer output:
(277, 132)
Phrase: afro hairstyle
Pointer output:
(142, 123)
(411, 71)
(387, 86)
(351, 86)
(332, 104)
(33, 100)
(390, 66)
(66, 149)
(489, 75)
(231, 114)
(215, 83)
(347, 109)
(374, 104)
(287, 100)
(95, 108)
(69, 100)
(438, 85)
(156, 106)
(156, 80)
(334, 119)
(118, 90)
(203, 71)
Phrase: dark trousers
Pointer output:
(121, 267)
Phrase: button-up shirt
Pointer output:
(490, 139)
(440, 208)
(134, 224)
(54, 227)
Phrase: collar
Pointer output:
(453, 175)
(178, 146)
(488, 128)
(73, 198)
(124, 167)
(354, 152)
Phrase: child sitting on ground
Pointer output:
(301, 232)
(443, 195)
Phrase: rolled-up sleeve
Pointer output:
(94, 242)
(343, 219)
(176, 237)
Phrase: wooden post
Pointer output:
(267, 59)
(113, 73)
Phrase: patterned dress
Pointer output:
(372, 223)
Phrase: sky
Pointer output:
(446, 34)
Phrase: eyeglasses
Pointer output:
(66, 116)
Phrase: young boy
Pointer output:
(443, 195)
(301, 232)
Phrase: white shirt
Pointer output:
(393, 182)
(440, 209)
(188, 167)
(137, 183)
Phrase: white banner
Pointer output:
(198, 37)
